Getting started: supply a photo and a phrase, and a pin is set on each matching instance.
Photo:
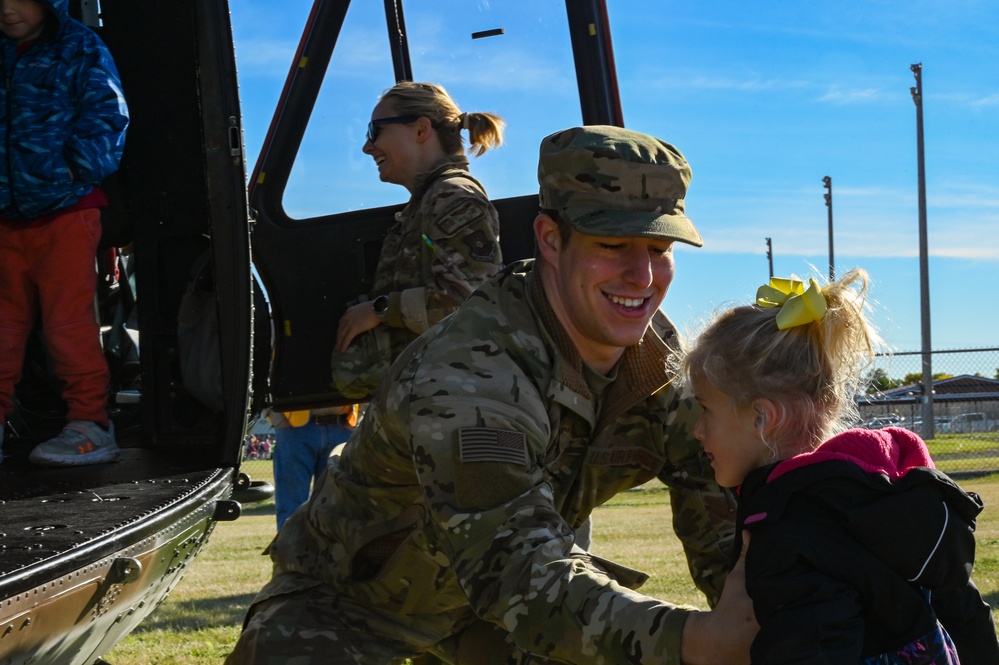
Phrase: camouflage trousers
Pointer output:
(317, 625)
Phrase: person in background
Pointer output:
(62, 124)
(447, 522)
(444, 243)
(861, 551)
(303, 443)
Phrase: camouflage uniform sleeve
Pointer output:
(703, 512)
(479, 447)
(462, 238)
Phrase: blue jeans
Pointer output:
(300, 455)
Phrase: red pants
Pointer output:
(51, 268)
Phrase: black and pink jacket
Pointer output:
(848, 541)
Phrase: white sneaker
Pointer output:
(80, 442)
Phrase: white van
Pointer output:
(971, 422)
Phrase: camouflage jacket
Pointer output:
(460, 489)
(444, 244)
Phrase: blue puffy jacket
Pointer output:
(62, 117)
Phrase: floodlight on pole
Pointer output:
(770, 257)
(827, 183)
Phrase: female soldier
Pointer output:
(445, 242)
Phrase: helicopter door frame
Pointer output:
(303, 328)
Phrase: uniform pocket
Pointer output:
(414, 579)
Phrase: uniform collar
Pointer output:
(423, 180)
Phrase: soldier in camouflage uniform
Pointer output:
(445, 242)
(445, 525)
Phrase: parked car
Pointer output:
(967, 423)
(886, 420)
(941, 425)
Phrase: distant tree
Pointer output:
(918, 378)
(997, 372)
(879, 381)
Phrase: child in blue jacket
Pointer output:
(62, 131)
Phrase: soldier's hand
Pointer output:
(357, 319)
(723, 636)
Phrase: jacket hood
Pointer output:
(58, 9)
(892, 451)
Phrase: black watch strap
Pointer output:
(380, 307)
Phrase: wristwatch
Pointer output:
(380, 306)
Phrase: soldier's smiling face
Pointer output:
(395, 150)
(604, 290)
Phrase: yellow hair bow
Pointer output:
(798, 306)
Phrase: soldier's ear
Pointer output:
(547, 237)
(424, 130)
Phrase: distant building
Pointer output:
(973, 400)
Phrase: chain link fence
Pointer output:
(959, 419)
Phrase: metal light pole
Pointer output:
(924, 271)
(827, 183)
(770, 257)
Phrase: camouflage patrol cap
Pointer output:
(609, 181)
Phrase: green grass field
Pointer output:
(956, 453)
(200, 622)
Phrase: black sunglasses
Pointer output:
(374, 128)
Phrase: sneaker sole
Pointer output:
(96, 457)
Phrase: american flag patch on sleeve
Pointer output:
(483, 444)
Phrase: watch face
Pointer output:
(380, 304)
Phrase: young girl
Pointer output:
(861, 551)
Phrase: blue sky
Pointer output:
(763, 98)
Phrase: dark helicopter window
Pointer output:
(518, 65)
